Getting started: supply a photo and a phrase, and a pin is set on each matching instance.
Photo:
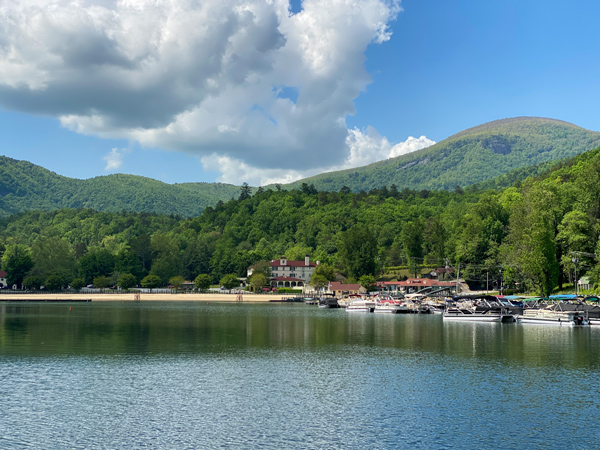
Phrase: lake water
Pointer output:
(278, 376)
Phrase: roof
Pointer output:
(3, 274)
(335, 286)
(421, 282)
(277, 263)
(286, 279)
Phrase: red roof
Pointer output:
(3, 274)
(286, 279)
(335, 286)
(423, 282)
(277, 263)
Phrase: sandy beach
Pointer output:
(143, 297)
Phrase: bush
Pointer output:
(151, 282)
(77, 283)
(54, 282)
(127, 281)
(202, 281)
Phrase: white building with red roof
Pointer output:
(290, 274)
(413, 285)
(3, 275)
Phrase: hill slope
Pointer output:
(25, 186)
(471, 156)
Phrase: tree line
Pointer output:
(533, 235)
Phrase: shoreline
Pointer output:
(129, 297)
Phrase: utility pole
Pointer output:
(575, 281)
(457, 278)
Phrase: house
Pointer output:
(290, 274)
(442, 273)
(3, 282)
(339, 289)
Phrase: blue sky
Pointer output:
(439, 67)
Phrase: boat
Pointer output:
(328, 301)
(554, 315)
(387, 304)
(471, 315)
(479, 308)
(358, 303)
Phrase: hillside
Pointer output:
(25, 186)
(472, 156)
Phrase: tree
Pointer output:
(127, 281)
(258, 281)
(33, 282)
(358, 251)
(245, 191)
(151, 282)
(322, 275)
(368, 282)
(18, 264)
(77, 283)
(177, 282)
(230, 281)
(530, 245)
(202, 281)
(54, 283)
(412, 241)
(101, 282)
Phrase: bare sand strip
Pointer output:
(143, 297)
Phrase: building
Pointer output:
(290, 274)
(3, 282)
(340, 289)
(413, 285)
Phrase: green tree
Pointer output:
(245, 191)
(368, 282)
(33, 282)
(177, 282)
(151, 282)
(358, 251)
(230, 281)
(202, 281)
(77, 283)
(54, 283)
(127, 281)
(258, 280)
(17, 264)
(412, 241)
(530, 246)
(101, 282)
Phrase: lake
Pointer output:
(275, 376)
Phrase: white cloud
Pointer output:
(364, 148)
(209, 77)
(114, 158)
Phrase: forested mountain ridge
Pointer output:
(25, 186)
(537, 234)
(471, 156)
(494, 155)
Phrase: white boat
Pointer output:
(470, 315)
(547, 316)
(389, 305)
(360, 304)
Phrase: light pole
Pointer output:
(575, 261)
(500, 281)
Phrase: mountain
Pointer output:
(492, 155)
(25, 186)
(472, 156)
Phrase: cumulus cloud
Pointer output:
(229, 80)
(363, 148)
(114, 158)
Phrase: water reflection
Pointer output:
(181, 328)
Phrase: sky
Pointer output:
(271, 91)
